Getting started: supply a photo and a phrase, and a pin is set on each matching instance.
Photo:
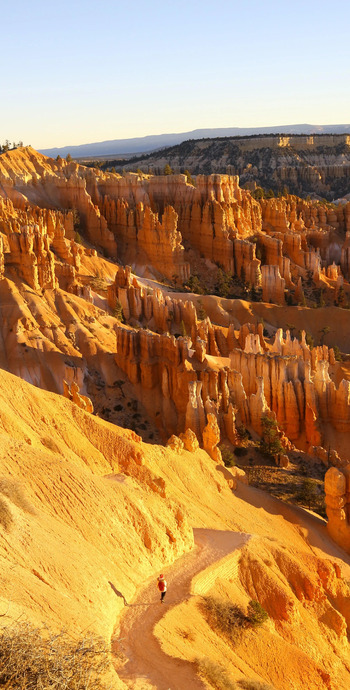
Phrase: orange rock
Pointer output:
(211, 438)
(175, 443)
(337, 490)
(190, 440)
(72, 393)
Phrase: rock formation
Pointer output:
(72, 393)
(282, 245)
(337, 489)
(319, 164)
(31, 255)
(211, 438)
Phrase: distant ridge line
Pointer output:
(151, 143)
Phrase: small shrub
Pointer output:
(227, 456)
(240, 451)
(242, 432)
(186, 634)
(201, 313)
(225, 617)
(118, 311)
(256, 614)
(229, 619)
(214, 674)
(337, 354)
(32, 659)
(194, 284)
(6, 518)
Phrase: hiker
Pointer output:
(161, 587)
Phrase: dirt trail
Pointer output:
(148, 666)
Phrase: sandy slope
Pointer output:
(148, 666)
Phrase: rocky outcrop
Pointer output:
(161, 242)
(190, 440)
(32, 258)
(291, 382)
(72, 393)
(337, 490)
(305, 164)
(211, 438)
(272, 285)
(207, 216)
(175, 443)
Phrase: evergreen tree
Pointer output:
(270, 443)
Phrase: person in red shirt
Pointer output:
(162, 586)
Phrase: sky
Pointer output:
(77, 71)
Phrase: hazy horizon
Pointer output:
(81, 72)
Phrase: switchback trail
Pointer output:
(147, 665)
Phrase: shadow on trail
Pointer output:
(119, 594)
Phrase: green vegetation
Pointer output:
(227, 455)
(270, 443)
(242, 433)
(168, 170)
(194, 284)
(32, 659)
(7, 146)
(229, 619)
(324, 331)
(201, 313)
(256, 614)
(308, 495)
(118, 311)
(308, 338)
(190, 179)
(224, 285)
(215, 674)
(337, 354)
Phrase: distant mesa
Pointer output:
(152, 142)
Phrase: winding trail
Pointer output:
(147, 665)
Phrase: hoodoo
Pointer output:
(175, 397)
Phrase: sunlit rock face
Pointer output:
(337, 489)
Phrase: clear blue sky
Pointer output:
(78, 71)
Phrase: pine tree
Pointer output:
(270, 443)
